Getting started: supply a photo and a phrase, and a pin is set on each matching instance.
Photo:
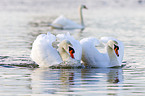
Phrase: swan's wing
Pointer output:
(90, 55)
(91, 41)
(64, 23)
(42, 51)
(104, 40)
(76, 44)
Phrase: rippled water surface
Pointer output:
(22, 21)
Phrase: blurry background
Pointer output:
(21, 21)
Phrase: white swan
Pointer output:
(94, 58)
(63, 23)
(45, 55)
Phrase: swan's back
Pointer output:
(63, 23)
(42, 51)
(90, 55)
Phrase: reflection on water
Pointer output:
(82, 81)
(100, 81)
(114, 75)
(45, 81)
(14, 81)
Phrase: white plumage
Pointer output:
(76, 44)
(45, 55)
(94, 58)
(63, 23)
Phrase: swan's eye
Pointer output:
(85, 7)
(71, 49)
(116, 47)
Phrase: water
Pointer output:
(22, 21)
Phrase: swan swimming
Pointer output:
(63, 23)
(92, 57)
(45, 55)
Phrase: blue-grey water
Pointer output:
(21, 21)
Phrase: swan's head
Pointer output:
(114, 45)
(67, 46)
(83, 7)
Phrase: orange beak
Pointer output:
(116, 51)
(71, 53)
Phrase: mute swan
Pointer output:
(94, 58)
(63, 23)
(44, 54)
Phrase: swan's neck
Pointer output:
(112, 57)
(81, 17)
(64, 55)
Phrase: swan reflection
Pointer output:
(53, 80)
(112, 75)
(115, 76)
(56, 81)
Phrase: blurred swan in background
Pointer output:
(63, 23)
(45, 55)
(112, 57)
